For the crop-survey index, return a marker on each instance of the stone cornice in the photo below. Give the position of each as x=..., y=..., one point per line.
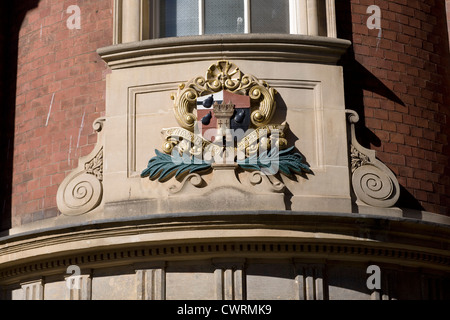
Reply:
x=337, y=236
x=262, y=47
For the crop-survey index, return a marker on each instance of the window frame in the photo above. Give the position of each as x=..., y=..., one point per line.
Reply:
x=303, y=16
x=155, y=15
x=299, y=22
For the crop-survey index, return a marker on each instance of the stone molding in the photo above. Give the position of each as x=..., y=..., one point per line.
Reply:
x=403, y=242
x=229, y=277
x=79, y=287
x=310, y=279
x=149, y=284
x=260, y=47
x=373, y=182
x=33, y=290
x=242, y=249
x=82, y=190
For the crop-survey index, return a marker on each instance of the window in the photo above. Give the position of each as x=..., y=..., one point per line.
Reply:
x=269, y=16
x=178, y=18
x=137, y=20
x=224, y=16
x=175, y=18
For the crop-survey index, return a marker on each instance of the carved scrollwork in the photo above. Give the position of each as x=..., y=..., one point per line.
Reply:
x=372, y=181
x=224, y=75
x=81, y=194
x=257, y=177
x=373, y=186
x=82, y=190
x=194, y=179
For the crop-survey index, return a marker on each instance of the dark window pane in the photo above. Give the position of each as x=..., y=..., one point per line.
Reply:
x=178, y=18
x=322, y=16
x=270, y=16
x=224, y=16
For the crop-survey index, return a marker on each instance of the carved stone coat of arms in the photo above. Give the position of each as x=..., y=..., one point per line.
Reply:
x=225, y=125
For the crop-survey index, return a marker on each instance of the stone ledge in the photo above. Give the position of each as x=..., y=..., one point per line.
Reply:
x=264, y=47
x=404, y=241
x=98, y=218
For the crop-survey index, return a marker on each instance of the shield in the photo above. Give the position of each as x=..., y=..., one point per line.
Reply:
x=222, y=113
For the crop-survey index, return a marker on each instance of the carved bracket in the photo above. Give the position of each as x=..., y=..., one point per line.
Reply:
x=373, y=182
x=82, y=190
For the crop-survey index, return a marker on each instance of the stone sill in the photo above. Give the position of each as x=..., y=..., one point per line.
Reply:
x=263, y=47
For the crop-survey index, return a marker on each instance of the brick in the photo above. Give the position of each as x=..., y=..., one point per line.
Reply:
x=361, y=29
x=416, y=132
x=405, y=150
x=391, y=55
x=411, y=141
x=397, y=138
x=408, y=119
x=382, y=135
x=381, y=114
x=427, y=186
x=403, y=129
x=390, y=147
x=398, y=159
x=388, y=126
x=413, y=183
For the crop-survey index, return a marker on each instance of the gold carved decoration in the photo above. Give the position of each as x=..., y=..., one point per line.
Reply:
x=264, y=138
x=224, y=75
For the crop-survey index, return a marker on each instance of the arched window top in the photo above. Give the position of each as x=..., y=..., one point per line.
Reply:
x=137, y=20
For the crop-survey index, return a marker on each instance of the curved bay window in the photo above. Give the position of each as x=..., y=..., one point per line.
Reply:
x=138, y=20
x=197, y=17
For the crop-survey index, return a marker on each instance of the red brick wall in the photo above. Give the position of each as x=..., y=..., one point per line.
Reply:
x=400, y=84
x=60, y=92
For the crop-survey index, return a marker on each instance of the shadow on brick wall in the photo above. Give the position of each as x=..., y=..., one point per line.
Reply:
x=358, y=79
x=12, y=14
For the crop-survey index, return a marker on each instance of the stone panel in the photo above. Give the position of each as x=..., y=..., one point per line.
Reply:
x=116, y=284
x=348, y=283
x=271, y=281
x=190, y=282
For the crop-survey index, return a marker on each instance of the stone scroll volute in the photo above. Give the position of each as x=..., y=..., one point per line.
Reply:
x=82, y=190
x=372, y=181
